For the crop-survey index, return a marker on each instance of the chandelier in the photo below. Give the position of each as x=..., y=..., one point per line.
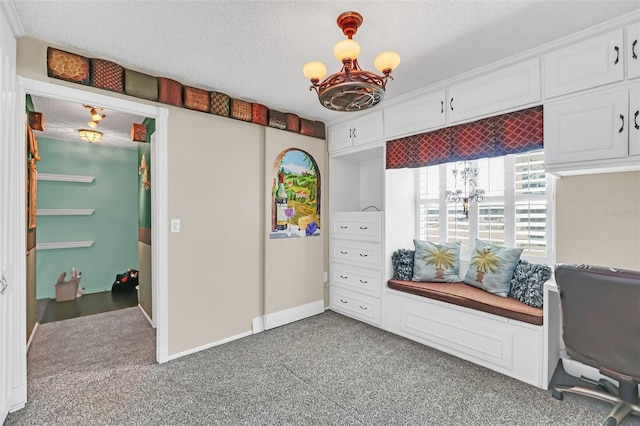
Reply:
x=95, y=115
x=468, y=178
x=351, y=89
x=90, y=136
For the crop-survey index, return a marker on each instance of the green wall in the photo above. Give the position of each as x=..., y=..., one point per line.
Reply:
x=113, y=226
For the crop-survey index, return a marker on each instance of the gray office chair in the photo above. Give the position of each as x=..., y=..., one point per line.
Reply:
x=601, y=328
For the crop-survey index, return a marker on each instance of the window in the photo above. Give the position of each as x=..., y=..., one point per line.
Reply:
x=513, y=211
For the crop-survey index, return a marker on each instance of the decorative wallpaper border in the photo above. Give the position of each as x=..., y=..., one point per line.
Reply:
x=107, y=75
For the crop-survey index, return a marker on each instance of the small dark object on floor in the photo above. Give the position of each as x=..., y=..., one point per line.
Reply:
x=126, y=282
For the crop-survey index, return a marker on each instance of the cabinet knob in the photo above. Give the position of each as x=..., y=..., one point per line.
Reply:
x=364, y=228
x=354, y=133
x=343, y=277
x=350, y=133
x=363, y=255
x=364, y=281
x=343, y=252
x=622, y=126
x=364, y=308
x=617, y=49
x=343, y=301
x=634, y=55
x=441, y=107
x=451, y=104
x=635, y=120
x=343, y=227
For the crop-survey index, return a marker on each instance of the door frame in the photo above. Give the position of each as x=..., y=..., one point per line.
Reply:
x=159, y=209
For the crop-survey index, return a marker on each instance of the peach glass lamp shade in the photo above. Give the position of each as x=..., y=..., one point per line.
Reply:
x=314, y=70
x=387, y=61
x=346, y=49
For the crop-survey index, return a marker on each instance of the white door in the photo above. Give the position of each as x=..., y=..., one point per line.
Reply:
x=340, y=136
x=633, y=51
x=501, y=90
x=10, y=147
x=634, y=120
x=417, y=115
x=583, y=65
x=592, y=127
x=367, y=129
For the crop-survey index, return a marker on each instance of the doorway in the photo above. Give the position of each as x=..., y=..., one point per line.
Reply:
x=159, y=214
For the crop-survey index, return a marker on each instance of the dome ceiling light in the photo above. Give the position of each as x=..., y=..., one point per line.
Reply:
x=351, y=89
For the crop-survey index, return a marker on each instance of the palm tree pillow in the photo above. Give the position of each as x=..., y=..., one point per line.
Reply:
x=436, y=262
x=491, y=267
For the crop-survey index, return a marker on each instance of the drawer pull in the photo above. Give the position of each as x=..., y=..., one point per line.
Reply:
x=441, y=107
x=343, y=277
x=451, y=104
x=343, y=301
x=635, y=120
x=617, y=49
x=364, y=282
x=634, y=55
x=343, y=252
x=363, y=255
x=364, y=227
x=622, y=126
x=343, y=227
x=364, y=308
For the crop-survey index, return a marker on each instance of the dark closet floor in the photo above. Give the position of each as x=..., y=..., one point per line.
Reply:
x=48, y=310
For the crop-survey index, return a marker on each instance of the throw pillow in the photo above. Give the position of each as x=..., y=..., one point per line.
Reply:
x=491, y=267
x=527, y=282
x=402, y=260
x=436, y=262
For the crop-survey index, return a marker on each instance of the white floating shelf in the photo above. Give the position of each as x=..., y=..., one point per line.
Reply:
x=65, y=212
x=65, y=178
x=64, y=245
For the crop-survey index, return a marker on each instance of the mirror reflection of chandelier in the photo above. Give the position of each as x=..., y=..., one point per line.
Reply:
x=467, y=177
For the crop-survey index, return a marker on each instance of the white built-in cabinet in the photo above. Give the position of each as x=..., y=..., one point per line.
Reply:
x=586, y=128
x=590, y=63
x=416, y=115
x=501, y=90
x=355, y=253
x=633, y=51
x=362, y=130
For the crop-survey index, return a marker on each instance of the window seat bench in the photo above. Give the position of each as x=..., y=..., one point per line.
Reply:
x=500, y=333
x=462, y=294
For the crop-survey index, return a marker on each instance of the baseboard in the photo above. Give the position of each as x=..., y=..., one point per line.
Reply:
x=33, y=333
x=257, y=324
x=209, y=345
x=147, y=316
x=297, y=313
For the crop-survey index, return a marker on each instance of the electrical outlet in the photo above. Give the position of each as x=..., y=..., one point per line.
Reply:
x=175, y=225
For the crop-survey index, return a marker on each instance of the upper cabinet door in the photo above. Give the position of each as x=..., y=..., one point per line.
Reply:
x=633, y=55
x=339, y=137
x=495, y=92
x=415, y=116
x=367, y=128
x=591, y=63
x=591, y=127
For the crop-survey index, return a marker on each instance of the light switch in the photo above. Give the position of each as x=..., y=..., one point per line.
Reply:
x=175, y=225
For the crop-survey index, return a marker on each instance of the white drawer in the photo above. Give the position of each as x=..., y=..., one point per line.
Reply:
x=355, y=305
x=365, y=226
x=356, y=253
x=356, y=278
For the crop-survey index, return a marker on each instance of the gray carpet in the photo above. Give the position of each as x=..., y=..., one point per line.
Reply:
x=325, y=370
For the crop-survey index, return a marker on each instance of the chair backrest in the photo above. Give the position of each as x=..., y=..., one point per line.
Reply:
x=601, y=318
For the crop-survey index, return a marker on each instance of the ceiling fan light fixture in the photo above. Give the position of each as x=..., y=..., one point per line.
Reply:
x=352, y=88
x=90, y=136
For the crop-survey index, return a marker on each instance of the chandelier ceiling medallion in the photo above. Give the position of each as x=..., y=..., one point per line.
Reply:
x=351, y=89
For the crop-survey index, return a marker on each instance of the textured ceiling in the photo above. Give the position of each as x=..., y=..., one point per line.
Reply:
x=255, y=50
x=63, y=119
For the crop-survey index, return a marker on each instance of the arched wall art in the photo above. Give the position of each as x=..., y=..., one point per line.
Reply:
x=295, y=195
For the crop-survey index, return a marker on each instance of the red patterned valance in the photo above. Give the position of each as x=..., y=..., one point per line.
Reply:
x=518, y=131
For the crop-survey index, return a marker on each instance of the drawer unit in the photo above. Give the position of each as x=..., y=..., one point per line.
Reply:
x=358, y=253
x=357, y=226
x=360, y=306
x=354, y=278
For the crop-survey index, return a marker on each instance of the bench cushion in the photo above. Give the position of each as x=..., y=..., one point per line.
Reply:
x=465, y=295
